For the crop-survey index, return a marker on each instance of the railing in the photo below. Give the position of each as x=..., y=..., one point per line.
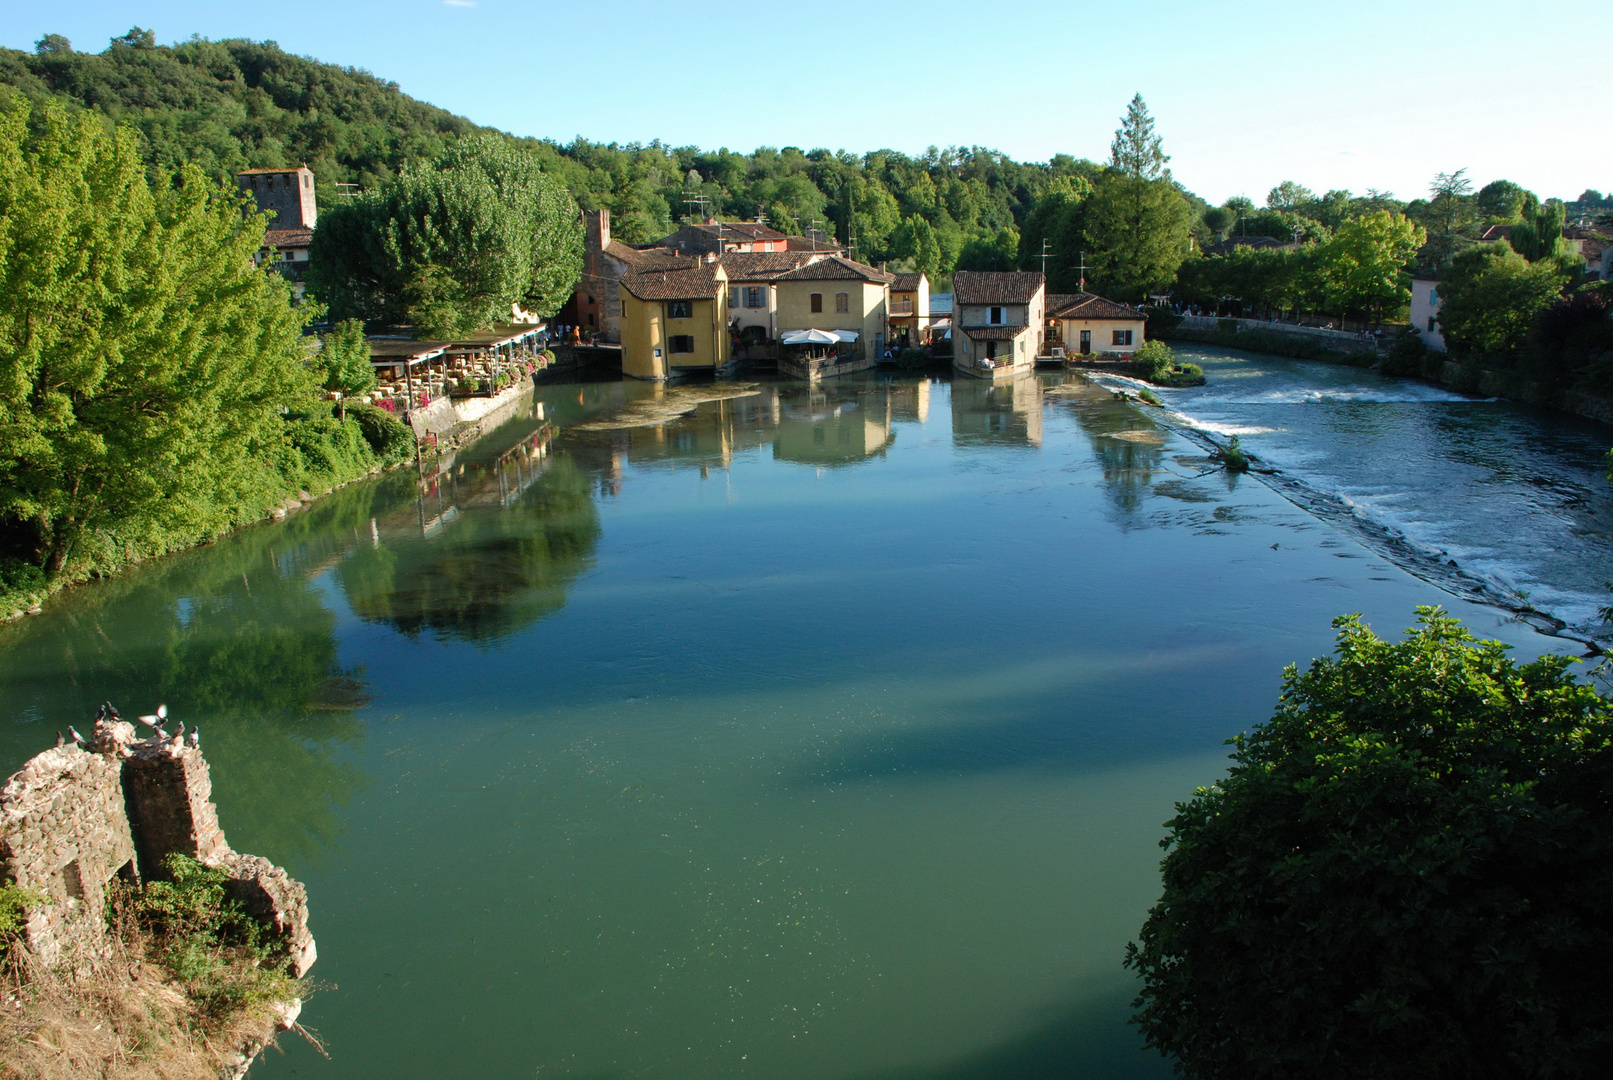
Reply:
x=902, y=307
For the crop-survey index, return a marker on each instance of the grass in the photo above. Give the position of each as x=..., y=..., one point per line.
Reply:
x=186, y=979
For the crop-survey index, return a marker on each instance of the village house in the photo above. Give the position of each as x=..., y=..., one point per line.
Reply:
x=675, y=320
x=1086, y=324
x=1425, y=312
x=752, y=296
x=999, y=319
x=831, y=316
x=287, y=195
x=721, y=237
x=910, y=310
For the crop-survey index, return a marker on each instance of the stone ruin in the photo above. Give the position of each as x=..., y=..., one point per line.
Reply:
x=74, y=818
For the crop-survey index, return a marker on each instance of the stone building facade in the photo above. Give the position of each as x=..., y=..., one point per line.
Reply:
x=75, y=818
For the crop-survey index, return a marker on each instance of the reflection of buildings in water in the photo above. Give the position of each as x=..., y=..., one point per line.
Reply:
x=834, y=427
x=709, y=437
x=910, y=401
x=997, y=413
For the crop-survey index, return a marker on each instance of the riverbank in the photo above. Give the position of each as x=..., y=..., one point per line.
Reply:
x=1436, y=368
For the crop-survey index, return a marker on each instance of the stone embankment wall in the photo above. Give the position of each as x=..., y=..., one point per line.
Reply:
x=1342, y=340
x=74, y=818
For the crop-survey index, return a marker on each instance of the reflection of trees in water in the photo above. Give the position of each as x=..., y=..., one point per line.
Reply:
x=235, y=638
x=1128, y=463
x=487, y=573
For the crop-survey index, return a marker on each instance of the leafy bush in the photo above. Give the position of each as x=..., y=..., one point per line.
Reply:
x=1406, y=873
x=208, y=941
x=390, y=439
x=1149, y=396
x=1407, y=354
x=911, y=359
x=321, y=449
x=1154, y=360
x=14, y=904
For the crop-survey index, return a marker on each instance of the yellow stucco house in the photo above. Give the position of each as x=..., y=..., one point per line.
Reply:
x=1084, y=324
x=675, y=321
x=845, y=298
x=910, y=310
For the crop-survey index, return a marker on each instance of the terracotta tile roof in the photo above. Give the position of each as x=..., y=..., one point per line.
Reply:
x=731, y=231
x=992, y=333
x=806, y=243
x=698, y=282
x=906, y=283
x=838, y=268
x=763, y=265
x=288, y=238
x=1496, y=232
x=654, y=258
x=992, y=287
x=1088, y=306
x=262, y=172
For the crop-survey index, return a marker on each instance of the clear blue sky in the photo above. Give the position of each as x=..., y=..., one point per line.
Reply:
x=1246, y=93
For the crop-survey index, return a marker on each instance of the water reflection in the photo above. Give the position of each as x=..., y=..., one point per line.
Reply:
x=1129, y=447
x=487, y=549
x=236, y=639
x=997, y=414
x=835, y=425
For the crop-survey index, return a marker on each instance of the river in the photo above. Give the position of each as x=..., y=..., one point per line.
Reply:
x=814, y=734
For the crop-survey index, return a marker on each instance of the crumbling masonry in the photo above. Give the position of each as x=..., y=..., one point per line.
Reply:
x=73, y=818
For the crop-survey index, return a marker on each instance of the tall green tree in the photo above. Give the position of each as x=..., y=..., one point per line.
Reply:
x=1137, y=234
x=1137, y=151
x=144, y=361
x=1363, y=264
x=449, y=247
x=1490, y=298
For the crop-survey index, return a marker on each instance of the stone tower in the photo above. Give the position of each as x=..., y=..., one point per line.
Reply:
x=289, y=193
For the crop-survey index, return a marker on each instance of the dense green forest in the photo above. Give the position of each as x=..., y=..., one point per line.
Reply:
x=228, y=105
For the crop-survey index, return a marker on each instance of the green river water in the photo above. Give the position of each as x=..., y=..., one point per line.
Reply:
x=815, y=734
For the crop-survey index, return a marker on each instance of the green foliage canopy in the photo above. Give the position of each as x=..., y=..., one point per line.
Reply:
x=448, y=247
x=144, y=361
x=1406, y=873
x=1491, y=297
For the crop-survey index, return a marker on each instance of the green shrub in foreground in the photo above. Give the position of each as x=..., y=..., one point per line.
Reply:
x=1154, y=360
x=1407, y=872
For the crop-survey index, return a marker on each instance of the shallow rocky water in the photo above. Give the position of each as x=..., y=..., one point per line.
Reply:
x=812, y=734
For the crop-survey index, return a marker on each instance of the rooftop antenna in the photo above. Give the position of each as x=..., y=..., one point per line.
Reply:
x=851, y=241
x=812, y=228
x=346, y=188
x=1046, y=251
x=1083, y=271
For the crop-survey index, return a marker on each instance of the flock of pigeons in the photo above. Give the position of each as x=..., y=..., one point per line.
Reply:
x=155, y=722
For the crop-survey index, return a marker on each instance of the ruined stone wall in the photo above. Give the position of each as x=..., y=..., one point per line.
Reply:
x=63, y=836
x=73, y=818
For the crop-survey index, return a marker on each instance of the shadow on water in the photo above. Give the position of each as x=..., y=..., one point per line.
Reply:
x=236, y=639
x=1093, y=1033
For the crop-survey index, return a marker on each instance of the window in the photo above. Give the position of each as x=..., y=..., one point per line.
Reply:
x=1122, y=337
x=680, y=343
x=680, y=309
x=817, y=302
x=996, y=316
x=842, y=302
x=733, y=296
x=755, y=297
x=1433, y=295
x=1430, y=324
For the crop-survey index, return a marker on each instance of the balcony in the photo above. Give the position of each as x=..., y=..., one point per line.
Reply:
x=902, y=309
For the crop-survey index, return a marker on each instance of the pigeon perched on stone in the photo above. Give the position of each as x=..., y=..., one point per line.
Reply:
x=111, y=710
x=195, y=736
x=162, y=712
x=73, y=731
x=59, y=740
